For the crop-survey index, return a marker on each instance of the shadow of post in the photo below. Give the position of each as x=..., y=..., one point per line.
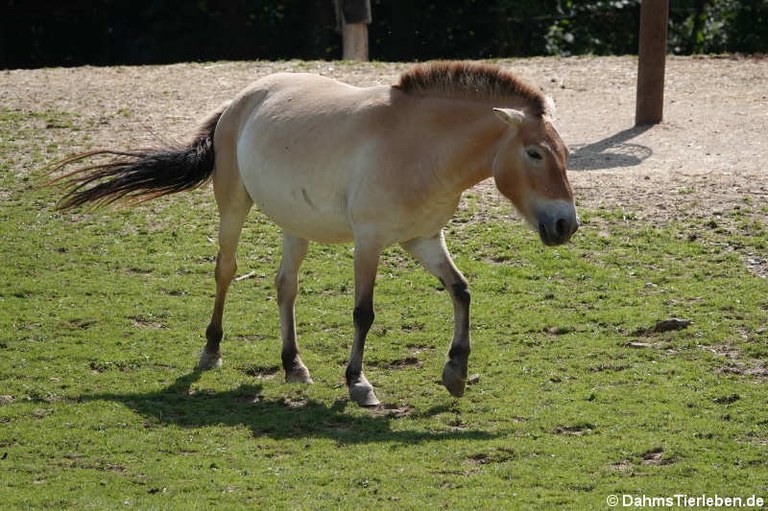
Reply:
x=180, y=405
x=610, y=153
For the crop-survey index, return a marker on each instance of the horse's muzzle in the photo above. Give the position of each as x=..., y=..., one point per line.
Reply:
x=556, y=229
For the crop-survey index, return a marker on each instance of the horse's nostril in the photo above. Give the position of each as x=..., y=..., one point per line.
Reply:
x=562, y=228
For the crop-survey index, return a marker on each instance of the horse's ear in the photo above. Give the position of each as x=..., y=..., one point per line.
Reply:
x=550, y=107
x=510, y=116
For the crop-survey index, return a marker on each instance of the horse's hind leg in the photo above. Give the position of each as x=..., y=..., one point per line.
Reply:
x=433, y=255
x=234, y=203
x=287, y=283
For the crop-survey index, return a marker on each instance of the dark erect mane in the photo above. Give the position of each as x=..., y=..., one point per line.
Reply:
x=469, y=80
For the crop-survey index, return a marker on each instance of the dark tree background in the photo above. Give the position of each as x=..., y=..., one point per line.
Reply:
x=35, y=33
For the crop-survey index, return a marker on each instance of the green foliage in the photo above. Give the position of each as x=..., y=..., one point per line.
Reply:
x=599, y=27
x=101, y=320
x=718, y=26
x=48, y=32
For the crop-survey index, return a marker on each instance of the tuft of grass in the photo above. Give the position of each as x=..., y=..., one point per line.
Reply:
x=574, y=397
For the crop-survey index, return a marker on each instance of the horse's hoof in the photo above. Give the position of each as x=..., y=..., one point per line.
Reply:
x=299, y=374
x=209, y=361
x=361, y=392
x=454, y=379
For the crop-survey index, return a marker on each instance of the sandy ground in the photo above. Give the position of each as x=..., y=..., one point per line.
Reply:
x=706, y=159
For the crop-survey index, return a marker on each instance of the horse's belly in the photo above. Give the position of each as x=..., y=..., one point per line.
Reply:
x=302, y=210
x=308, y=223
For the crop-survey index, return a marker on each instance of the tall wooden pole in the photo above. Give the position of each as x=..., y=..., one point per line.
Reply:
x=649, y=108
x=355, y=41
x=355, y=17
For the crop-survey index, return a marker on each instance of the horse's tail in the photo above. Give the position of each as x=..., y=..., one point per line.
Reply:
x=140, y=175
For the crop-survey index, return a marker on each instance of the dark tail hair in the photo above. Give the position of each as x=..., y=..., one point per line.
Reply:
x=140, y=175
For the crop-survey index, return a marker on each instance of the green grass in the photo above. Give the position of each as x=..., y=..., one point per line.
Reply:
x=101, y=321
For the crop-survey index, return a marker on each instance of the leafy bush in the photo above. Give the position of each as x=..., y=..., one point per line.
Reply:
x=50, y=32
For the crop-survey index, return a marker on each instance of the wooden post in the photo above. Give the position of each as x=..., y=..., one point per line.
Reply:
x=649, y=108
x=355, y=36
x=355, y=17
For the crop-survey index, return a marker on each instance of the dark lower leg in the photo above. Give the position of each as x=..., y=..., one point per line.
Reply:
x=286, y=282
x=211, y=356
x=366, y=263
x=360, y=389
x=455, y=370
x=363, y=317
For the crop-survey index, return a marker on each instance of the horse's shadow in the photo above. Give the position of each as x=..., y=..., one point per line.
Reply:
x=611, y=152
x=179, y=405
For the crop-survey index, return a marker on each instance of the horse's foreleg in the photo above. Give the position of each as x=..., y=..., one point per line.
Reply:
x=232, y=216
x=287, y=282
x=366, y=264
x=433, y=255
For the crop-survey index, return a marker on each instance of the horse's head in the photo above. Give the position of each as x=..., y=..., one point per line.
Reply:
x=530, y=170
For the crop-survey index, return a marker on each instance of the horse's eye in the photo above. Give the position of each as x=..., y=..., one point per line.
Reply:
x=533, y=154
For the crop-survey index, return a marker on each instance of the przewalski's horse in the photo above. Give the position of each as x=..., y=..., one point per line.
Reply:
x=333, y=163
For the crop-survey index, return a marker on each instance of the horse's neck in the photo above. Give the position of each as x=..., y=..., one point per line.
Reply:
x=467, y=138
